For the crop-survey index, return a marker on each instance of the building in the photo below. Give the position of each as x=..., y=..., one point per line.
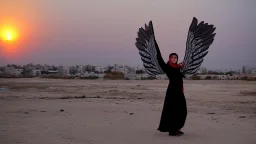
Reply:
x=216, y=77
x=202, y=70
x=49, y=72
x=236, y=77
x=100, y=69
x=36, y=73
x=101, y=75
x=162, y=77
x=130, y=76
x=80, y=69
x=64, y=71
x=17, y=72
x=253, y=71
x=88, y=68
x=247, y=70
x=89, y=74
x=123, y=69
x=13, y=71
x=141, y=76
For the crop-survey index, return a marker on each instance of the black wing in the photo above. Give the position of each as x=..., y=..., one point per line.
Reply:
x=200, y=37
x=149, y=50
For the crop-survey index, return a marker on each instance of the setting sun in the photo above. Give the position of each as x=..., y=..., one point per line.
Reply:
x=8, y=34
x=12, y=36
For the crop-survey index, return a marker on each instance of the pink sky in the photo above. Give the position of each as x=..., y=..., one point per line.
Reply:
x=103, y=32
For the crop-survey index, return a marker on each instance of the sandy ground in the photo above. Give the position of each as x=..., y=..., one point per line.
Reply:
x=48, y=111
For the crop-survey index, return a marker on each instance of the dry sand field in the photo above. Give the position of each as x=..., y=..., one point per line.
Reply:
x=50, y=111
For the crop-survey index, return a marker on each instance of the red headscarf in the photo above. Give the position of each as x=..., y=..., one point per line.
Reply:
x=174, y=65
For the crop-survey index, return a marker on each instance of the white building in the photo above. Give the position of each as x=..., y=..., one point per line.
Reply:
x=52, y=71
x=141, y=76
x=116, y=67
x=124, y=70
x=36, y=73
x=93, y=74
x=139, y=67
x=217, y=77
x=9, y=70
x=64, y=70
x=88, y=74
x=161, y=77
x=202, y=70
x=101, y=75
x=17, y=72
x=254, y=71
x=235, y=77
x=80, y=68
x=100, y=69
x=13, y=71
x=130, y=76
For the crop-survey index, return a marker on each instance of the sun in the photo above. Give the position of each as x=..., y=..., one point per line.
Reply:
x=8, y=34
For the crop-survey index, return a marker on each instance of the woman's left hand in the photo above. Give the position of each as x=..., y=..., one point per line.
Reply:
x=181, y=64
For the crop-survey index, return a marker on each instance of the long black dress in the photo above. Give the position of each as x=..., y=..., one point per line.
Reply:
x=175, y=108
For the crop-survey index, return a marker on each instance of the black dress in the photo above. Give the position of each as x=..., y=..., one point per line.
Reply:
x=175, y=108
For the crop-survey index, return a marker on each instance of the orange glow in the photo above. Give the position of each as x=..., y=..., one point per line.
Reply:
x=9, y=33
x=10, y=38
x=21, y=27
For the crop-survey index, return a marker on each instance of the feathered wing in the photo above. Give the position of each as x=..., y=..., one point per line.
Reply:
x=200, y=37
x=149, y=50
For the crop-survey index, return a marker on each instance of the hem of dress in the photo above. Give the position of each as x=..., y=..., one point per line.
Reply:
x=162, y=130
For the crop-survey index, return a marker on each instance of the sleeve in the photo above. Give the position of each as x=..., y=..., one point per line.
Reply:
x=160, y=59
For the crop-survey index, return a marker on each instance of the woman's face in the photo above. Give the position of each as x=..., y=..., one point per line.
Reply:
x=173, y=59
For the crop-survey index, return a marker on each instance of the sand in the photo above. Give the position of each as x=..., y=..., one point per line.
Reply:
x=49, y=111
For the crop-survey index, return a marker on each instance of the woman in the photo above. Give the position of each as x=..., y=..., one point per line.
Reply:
x=200, y=37
x=175, y=108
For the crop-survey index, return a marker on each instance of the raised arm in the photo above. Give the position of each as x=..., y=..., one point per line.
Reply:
x=160, y=58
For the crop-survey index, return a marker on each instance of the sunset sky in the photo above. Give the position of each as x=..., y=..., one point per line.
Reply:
x=103, y=32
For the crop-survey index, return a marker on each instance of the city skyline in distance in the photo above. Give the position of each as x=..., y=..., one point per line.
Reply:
x=136, y=66
x=67, y=33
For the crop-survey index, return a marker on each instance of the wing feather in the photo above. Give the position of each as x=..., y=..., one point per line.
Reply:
x=147, y=47
x=199, y=39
